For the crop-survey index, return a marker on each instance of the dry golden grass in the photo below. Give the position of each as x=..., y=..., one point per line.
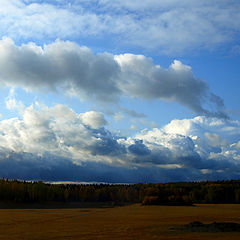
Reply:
x=129, y=222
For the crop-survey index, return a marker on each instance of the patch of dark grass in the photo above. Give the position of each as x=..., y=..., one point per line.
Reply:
x=198, y=226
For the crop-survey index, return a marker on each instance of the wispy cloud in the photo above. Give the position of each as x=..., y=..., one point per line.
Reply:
x=166, y=26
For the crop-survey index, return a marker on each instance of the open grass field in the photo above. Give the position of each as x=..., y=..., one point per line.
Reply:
x=128, y=222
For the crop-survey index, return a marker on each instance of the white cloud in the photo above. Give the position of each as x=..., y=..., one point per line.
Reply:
x=57, y=137
x=198, y=126
x=167, y=26
x=215, y=139
x=62, y=65
x=11, y=102
x=134, y=127
x=118, y=116
x=185, y=143
x=58, y=131
x=93, y=119
x=65, y=66
x=141, y=78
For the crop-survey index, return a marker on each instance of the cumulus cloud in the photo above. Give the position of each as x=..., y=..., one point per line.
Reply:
x=93, y=119
x=65, y=66
x=215, y=139
x=197, y=127
x=139, y=149
x=59, y=65
x=142, y=79
x=77, y=146
x=187, y=144
x=167, y=26
x=59, y=131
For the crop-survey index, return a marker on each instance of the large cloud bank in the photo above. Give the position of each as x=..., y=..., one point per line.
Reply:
x=168, y=26
x=65, y=66
x=59, y=144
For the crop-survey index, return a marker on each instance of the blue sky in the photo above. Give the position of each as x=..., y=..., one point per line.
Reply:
x=119, y=91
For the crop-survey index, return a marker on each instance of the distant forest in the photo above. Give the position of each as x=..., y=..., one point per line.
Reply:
x=180, y=193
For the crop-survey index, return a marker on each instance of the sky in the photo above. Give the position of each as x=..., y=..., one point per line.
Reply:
x=120, y=91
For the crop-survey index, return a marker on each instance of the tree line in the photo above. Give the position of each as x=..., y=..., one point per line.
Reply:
x=179, y=193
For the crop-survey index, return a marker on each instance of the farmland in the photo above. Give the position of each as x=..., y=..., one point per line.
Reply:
x=127, y=222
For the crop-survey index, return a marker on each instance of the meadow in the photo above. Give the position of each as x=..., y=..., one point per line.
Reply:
x=127, y=222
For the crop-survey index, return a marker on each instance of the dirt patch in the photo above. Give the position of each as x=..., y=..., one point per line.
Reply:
x=198, y=226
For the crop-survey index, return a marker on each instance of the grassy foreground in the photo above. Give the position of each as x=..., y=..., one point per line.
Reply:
x=128, y=222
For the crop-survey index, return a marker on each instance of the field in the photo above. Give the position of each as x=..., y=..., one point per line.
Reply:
x=128, y=222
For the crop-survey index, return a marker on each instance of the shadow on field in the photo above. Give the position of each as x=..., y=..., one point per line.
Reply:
x=212, y=227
